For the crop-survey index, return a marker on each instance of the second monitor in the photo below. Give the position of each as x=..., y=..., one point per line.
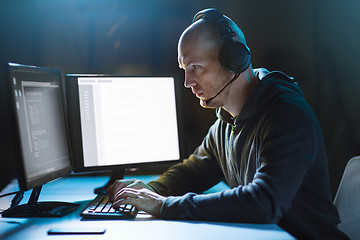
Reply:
x=118, y=122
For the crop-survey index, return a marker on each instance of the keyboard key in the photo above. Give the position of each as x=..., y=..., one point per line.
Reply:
x=101, y=208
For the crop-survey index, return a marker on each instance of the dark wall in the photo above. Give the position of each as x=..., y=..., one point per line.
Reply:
x=317, y=42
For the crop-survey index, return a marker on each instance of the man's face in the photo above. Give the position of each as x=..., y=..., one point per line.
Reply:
x=203, y=72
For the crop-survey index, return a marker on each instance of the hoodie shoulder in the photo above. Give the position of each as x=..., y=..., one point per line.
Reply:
x=263, y=73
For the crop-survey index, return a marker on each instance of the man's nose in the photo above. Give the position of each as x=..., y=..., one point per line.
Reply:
x=189, y=80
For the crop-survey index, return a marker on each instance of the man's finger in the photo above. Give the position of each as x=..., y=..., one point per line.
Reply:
x=125, y=196
x=117, y=186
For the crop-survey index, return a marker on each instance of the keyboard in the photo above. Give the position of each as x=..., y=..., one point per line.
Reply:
x=101, y=208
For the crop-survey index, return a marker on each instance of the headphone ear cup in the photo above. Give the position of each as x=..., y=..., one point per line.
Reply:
x=235, y=57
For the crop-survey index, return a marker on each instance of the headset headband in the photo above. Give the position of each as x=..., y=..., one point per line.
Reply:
x=234, y=56
x=216, y=17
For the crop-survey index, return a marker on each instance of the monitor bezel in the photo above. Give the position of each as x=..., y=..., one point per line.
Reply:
x=17, y=149
x=74, y=124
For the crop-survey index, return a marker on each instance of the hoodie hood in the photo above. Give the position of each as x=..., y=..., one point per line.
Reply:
x=272, y=85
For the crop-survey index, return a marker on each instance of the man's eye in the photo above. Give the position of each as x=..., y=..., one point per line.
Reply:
x=195, y=67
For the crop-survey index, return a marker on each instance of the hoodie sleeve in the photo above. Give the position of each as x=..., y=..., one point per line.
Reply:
x=199, y=172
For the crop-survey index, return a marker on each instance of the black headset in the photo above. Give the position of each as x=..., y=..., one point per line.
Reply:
x=234, y=55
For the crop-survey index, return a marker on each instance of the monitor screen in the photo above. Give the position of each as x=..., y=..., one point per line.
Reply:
x=122, y=121
x=40, y=142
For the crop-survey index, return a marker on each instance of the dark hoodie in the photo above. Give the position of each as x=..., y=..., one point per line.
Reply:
x=273, y=158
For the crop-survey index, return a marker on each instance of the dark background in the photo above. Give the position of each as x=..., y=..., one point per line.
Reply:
x=317, y=42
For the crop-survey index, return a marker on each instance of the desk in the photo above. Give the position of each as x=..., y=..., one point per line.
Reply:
x=79, y=189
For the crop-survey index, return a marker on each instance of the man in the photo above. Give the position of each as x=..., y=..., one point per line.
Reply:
x=266, y=144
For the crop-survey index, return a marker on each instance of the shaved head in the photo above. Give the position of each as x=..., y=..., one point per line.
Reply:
x=203, y=54
x=202, y=34
x=207, y=34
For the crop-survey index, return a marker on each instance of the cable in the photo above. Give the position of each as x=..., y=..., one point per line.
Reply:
x=15, y=201
x=8, y=194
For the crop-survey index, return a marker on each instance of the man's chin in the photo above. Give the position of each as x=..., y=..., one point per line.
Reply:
x=204, y=104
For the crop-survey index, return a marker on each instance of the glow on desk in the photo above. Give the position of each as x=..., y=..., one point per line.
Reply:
x=80, y=190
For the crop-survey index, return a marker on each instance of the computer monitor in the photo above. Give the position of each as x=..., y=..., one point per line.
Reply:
x=122, y=122
x=39, y=136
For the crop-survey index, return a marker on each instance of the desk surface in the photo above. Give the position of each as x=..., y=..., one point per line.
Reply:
x=80, y=190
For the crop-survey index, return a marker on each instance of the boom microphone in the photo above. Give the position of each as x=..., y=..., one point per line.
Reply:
x=233, y=79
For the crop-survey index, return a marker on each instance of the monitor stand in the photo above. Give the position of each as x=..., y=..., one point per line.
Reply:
x=39, y=209
x=116, y=174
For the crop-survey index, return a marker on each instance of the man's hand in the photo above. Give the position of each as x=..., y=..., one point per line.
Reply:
x=137, y=193
x=143, y=199
x=129, y=183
